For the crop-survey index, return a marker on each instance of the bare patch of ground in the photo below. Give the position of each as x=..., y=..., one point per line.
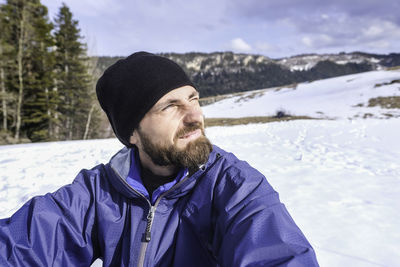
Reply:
x=247, y=120
x=388, y=83
x=389, y=102
x=290, y=86
x=394, y=68
x=247, y=97
x=212, y=99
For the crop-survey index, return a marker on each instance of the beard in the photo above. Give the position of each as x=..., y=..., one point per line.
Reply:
x=194, y=154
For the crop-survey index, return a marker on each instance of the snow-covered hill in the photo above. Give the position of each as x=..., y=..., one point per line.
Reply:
x=306, y=62
x=340, y=97
x=228, y=61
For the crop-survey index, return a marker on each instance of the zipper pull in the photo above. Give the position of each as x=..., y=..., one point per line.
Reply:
x=150, y=216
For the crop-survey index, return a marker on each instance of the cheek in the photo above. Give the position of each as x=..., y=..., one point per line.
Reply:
x=162, y=129
x=166, y=132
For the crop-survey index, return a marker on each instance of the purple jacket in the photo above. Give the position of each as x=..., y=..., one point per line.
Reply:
x=225, y=214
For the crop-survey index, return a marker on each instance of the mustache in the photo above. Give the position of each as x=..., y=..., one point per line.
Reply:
x=189, y=128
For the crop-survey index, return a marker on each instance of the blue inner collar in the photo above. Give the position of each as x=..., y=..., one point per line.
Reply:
x=134, y=178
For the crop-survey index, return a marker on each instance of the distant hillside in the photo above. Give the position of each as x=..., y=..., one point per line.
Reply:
x=373, y=94
x=226, y=72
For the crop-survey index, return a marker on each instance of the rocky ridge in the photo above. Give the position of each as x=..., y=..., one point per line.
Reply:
x=226, y=72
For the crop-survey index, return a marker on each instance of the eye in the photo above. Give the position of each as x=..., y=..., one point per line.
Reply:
x=168, y=107
x=195, y=98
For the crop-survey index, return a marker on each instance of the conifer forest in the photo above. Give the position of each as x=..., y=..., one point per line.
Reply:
x=47, y=81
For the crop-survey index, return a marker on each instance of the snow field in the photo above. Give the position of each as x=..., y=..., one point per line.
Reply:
x=340, y=180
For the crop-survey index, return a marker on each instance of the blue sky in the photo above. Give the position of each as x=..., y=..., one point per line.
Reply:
x=274, y=28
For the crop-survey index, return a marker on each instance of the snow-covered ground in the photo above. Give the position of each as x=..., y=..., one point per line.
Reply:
x=330, y=98
x=340, y=179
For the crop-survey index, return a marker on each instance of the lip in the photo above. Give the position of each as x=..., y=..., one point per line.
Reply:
x=191, y=135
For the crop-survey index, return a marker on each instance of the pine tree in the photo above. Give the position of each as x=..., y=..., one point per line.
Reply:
x=29, y=32
x=40, y=100
x=4, y=48
x=73, y=80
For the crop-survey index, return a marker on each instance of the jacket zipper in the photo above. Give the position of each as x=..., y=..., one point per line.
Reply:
x=150, y=215
x=152, y=209
x=150, y=219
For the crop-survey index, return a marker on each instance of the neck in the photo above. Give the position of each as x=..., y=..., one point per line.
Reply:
x=148, y=163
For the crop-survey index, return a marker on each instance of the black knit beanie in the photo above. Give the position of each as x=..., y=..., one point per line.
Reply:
x=129, y=88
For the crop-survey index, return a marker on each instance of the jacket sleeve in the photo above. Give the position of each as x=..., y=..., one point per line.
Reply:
x=52, y=230
x=253, y=226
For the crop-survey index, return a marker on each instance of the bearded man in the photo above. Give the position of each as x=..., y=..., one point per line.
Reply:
x=168, y=198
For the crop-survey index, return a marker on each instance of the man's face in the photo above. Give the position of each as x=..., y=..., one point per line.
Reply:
x=172, y=132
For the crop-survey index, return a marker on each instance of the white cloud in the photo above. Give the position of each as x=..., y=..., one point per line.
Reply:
x=380, y=44
x=373, y=31
x=238, y=44
x=307, y=41
x=326, y=39
x=264, y=46
x=325, y=16
x=380, y=29
x=317, y=41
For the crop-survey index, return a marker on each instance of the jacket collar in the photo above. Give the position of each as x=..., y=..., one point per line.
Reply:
x=120, y=165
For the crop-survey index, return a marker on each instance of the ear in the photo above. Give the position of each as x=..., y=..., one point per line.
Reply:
x=134, y=139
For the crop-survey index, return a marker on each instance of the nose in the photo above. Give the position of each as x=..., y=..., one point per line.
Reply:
x=193, y=114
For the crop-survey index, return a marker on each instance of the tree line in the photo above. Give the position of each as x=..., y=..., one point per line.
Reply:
x=46, y=78
x=220, y=73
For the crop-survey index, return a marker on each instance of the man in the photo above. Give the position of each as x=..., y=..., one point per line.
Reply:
x=169, y=198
